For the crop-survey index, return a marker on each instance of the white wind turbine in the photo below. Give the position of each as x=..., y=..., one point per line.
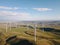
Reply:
x=6, y=27
x=35, y=25
x=10, y=26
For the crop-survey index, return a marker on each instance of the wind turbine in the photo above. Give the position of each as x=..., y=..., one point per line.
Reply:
x=35, y=25
x=6, y=27
x=10, y=26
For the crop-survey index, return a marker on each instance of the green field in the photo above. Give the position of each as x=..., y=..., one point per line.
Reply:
x=42, y=37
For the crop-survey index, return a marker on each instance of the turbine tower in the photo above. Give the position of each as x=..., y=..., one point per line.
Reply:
x=35, y=25
x=6, y=27
x=10, y=26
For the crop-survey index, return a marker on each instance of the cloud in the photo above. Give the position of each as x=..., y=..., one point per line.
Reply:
x=42, y=9
x=9, y=8
x=7, y=13
x=12, y=15
x=15, y=15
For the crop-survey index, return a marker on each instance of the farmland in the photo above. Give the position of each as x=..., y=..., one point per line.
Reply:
x=48, y=34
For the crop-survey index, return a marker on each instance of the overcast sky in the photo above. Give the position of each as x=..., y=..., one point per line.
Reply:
x=29, y=10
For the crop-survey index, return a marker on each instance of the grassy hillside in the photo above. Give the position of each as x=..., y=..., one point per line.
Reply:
x=22, y=33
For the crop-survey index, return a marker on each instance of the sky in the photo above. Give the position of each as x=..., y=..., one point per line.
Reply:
x=29, y=10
